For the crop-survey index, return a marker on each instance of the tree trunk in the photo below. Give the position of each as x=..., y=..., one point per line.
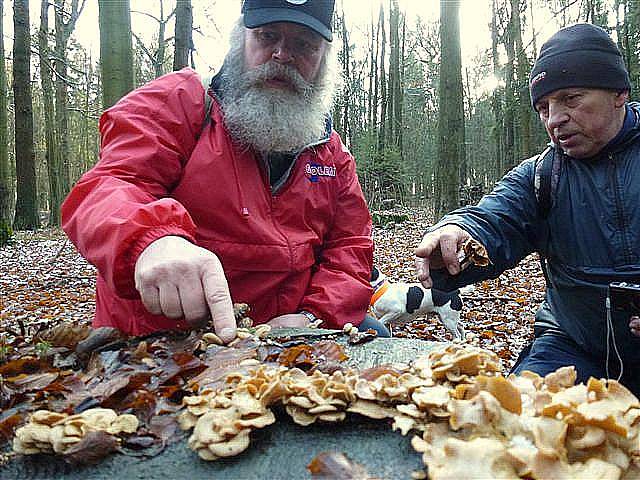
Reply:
x=65, y=20
x=511, y=103
x=496, y=98
x=395, y=100
x=522, y=84
x=116, y=54
x=26, y=217
x=382, y=131
x=376, y=79
x=372, y=69
x=451, y=117
x=183, y=37
x=5, y=190
x=50, y=137
x=159, y=57
x=347, y=94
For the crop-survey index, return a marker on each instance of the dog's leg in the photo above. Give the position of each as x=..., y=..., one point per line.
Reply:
x=450, y=318
x=389, y=317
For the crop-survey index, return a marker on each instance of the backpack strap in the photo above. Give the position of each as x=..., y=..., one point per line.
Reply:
x=546, y=179
x=208, y=103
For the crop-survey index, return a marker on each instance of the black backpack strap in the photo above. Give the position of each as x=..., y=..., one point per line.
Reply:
x=543, y=181
x=546, y=179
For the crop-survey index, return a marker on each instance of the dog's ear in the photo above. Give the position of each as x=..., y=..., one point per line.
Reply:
x=374, y=274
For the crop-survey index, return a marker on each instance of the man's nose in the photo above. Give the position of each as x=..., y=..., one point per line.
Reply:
x=282, y=53
x=557, y=115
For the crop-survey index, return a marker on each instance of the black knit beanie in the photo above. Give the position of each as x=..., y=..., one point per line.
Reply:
x=581, y=55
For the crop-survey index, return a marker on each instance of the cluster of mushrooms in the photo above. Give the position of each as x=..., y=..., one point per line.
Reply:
x=51, y=432
x=467, y=417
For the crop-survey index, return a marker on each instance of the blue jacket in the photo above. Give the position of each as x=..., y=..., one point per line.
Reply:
x=590, y=237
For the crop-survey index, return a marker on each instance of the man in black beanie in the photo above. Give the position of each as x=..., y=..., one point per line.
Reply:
x=237, y=190
x=577, y=204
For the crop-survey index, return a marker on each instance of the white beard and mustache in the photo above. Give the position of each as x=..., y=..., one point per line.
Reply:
x=268, y=119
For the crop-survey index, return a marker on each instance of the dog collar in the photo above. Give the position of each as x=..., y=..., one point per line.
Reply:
x=379, y=292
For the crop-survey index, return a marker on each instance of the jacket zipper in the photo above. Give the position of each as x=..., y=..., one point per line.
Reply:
x=620, y=214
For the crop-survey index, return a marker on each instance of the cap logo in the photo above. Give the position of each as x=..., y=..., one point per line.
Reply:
x=297, y=2
x=538, y=78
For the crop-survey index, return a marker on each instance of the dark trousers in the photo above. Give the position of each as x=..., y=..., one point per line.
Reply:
x=552, y=350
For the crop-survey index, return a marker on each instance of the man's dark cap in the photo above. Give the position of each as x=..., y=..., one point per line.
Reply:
x=315, y=14
x=582, y=55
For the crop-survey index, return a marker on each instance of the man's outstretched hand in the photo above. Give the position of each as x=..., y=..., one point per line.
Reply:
x=178, y=279
x=439, y=249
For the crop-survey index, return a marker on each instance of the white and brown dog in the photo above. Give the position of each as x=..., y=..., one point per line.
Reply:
x=400, y=302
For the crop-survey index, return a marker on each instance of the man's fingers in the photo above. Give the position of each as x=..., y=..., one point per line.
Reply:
x=427, y=246
x=449, y=251
x=218, y=299
x=170, y=301
x=424, y=275
x=150, y=297
x=192, y=297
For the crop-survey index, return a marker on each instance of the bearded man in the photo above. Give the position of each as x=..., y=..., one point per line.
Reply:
x=250, y=197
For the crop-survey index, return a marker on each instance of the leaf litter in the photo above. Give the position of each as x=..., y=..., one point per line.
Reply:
x=47, y=304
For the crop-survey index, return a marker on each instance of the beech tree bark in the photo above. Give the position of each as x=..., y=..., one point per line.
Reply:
x=26, y=217
x=183, y=37
x=451, y=151
x=116, y=53
x=5, y=190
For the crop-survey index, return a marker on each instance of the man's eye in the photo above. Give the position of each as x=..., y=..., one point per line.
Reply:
x=572, y=99
x=267, y=37
x=302, y=45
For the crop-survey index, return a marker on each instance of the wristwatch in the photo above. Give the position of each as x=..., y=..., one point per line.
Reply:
x=312, y=318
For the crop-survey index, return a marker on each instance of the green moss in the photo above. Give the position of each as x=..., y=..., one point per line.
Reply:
x=5, y=233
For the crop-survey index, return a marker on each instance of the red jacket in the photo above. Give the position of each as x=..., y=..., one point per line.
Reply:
x=308, y=247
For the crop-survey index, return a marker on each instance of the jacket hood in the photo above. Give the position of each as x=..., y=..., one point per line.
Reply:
x=630, y=129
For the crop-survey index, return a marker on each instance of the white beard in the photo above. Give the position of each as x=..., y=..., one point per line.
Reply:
x=269, y=119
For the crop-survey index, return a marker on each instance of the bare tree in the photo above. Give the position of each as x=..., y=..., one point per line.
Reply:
x=26, y=217
x=183, y=37
x=157, y=56
x=116, y=53
x=5, y=190
x=66, y=16
x=451, y=151
x=52, y=151
x=382, y=80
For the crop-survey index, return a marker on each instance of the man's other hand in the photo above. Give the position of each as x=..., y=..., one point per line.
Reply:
x=290, y=320
x=178, y=279
x=439, y=249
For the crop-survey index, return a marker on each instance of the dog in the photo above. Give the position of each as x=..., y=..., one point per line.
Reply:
x=401, y=302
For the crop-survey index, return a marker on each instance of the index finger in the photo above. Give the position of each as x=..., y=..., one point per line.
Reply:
x=449, y=252
x=422, y=269
x=425, y=250
x=216, y=292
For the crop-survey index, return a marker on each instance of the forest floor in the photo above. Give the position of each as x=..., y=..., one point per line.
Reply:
x=44, y=281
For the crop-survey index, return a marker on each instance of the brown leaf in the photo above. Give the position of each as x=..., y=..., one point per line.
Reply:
x=337, y=466
x=24, y=364
x=64, y=335
x=91, y=449
x=8, y=426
